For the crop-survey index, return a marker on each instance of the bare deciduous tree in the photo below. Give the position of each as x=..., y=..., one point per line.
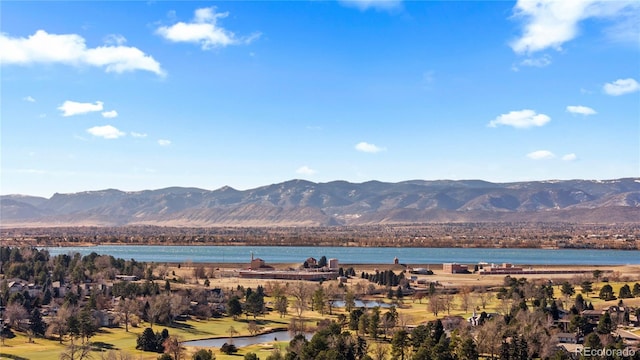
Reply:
x=435, y=304
x=380, y=352
x=127, y=308
x=253, y=328
x=58, y=323
x=14, y=314
x=484, y=297
x=466, y=300
x=76, y=352
x=173, y=346
x=489, y=337
x=447, y=302
x=301, y=292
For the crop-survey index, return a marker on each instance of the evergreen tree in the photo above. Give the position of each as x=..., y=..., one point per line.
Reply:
x=36, y=324
x=606, y=293
x=466, y=349
x=150, y=341
x=399, y=344
x=318, y=300
x=592, y=341
x=605, y=325
x=567, y=289
x=322, y=262
x=88, y=326
x=234, y=308
x=46, y=297
x=374, y=322
x=625, y=292
x=399, y=293
x=73, y=325
x=255, y=304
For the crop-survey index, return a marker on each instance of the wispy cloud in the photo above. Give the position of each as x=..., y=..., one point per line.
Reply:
x=551, y=23
x=621, y=87
x=541, y=155
x=582, y=110
x=305, y=170
x=369, y=148
x=29, y=99
x=106, y=132
x=138, y=135
x=30, y=171
x=520, y=119
x=110, y=114
x=115, y=39
x=71, y=108
x=569, y=157
x=164, y=142
x=372, y=4
x=204, y=30
x=71, y=49
x=539, y=62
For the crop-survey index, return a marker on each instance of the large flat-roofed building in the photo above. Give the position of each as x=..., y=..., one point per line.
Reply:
x=289, y=275
x=505, y=268
x=455, y=268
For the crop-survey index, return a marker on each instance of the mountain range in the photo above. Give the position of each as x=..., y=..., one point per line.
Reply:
x=304, y=203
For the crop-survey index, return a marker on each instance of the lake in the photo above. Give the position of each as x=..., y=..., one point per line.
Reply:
x=358, y=255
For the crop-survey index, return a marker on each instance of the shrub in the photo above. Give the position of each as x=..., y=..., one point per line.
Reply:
x=229, y=349
x=203, y=354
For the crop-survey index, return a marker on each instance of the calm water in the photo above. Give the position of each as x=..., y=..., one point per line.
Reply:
x=243, y=341
x=357, y=255
x=364, y=304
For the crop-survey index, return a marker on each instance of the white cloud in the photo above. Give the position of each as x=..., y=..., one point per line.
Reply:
x=29, y=99
x=541, y=155
x=138, y=135
x=204, y=30
x=70, y=108
x=372, y=4
x=368, y=148
x=110, y=114
x=305, y=170
x=621, y=87
x=582, y=110
x=107, y=132
x=569, y=157
x=537, y=62
x=520, y=119
x=71, y=49
x=551, y=23
x=164, y=142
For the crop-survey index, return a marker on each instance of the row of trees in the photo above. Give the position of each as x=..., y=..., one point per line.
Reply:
x=432, y=235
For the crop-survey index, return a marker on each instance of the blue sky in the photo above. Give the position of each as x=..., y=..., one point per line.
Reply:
x=144, y=95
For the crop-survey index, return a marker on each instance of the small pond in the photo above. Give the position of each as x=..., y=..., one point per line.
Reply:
x=242, y=341
x=364, y=304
